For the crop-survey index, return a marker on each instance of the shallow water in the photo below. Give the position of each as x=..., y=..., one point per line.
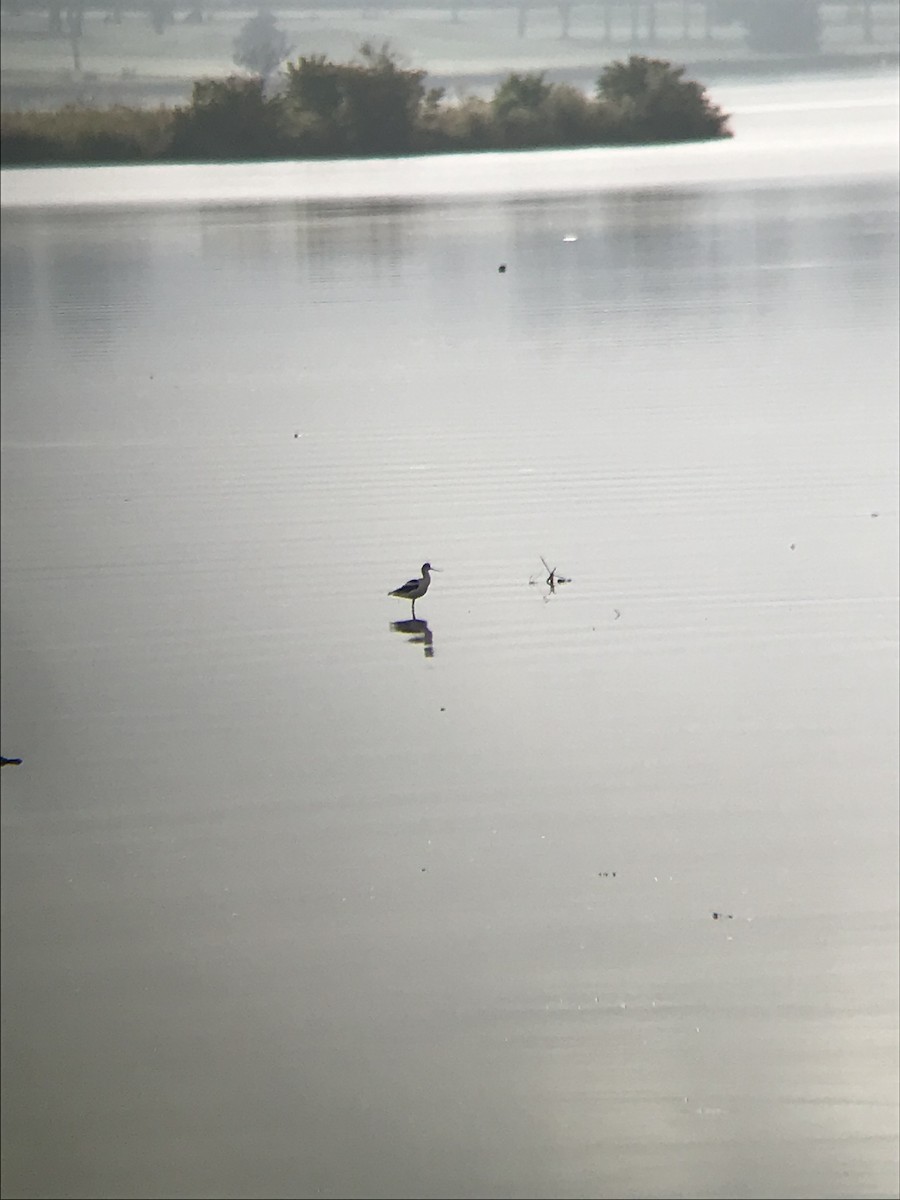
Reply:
x=302, y=901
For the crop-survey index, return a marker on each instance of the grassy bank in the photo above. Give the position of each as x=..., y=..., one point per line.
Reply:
x=75, y=134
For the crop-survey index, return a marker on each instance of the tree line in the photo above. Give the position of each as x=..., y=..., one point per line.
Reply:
x=776, y=26
x=370, y=107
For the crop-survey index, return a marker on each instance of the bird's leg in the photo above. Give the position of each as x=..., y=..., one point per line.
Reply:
x=414, y=609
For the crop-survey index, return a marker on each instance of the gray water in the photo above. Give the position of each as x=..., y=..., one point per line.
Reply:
x=300, y=900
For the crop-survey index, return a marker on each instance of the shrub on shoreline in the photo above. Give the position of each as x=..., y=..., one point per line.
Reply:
x=370, y=107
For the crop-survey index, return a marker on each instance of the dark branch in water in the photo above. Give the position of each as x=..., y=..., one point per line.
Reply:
x=552, y=577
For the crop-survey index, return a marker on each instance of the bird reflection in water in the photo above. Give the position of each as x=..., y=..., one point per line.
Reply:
x=417, y=631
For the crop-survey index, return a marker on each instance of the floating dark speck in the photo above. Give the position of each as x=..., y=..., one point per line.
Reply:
x=502, y=268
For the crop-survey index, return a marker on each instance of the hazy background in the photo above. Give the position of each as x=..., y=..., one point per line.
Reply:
x=300, y=900
x=151, y=53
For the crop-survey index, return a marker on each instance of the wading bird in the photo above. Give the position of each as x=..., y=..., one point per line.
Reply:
x=414, y=588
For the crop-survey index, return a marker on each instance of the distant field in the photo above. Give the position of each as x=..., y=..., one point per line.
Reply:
x=131, y=63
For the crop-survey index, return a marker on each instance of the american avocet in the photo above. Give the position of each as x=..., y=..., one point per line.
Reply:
x=414, y=588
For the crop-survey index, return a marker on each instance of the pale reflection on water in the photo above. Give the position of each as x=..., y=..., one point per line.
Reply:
x=305, y=897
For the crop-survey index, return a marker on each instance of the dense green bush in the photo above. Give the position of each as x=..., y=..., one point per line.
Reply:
x=526, y=93
x=520, y=112
x=227, y=119
x=650, y=99
x=469, y=124
x=372, y=106
x=575, y=119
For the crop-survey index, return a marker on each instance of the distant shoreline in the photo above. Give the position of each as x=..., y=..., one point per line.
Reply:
x=371, y=107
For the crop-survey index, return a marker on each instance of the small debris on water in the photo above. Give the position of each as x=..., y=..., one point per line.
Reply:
x=618, y=614
x=719, y=916
x=443, y=709
x=874, y=514
x=10, y=762
x=570, y=237
x=793, y=545
x=606, y=874
x=502, y=268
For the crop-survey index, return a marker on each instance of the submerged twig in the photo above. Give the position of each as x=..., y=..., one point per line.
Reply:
x=552, y=577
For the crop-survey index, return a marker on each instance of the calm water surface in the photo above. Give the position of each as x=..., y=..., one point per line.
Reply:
x=301, y=900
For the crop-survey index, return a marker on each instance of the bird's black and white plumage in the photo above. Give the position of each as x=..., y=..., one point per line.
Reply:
x=414, y=588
